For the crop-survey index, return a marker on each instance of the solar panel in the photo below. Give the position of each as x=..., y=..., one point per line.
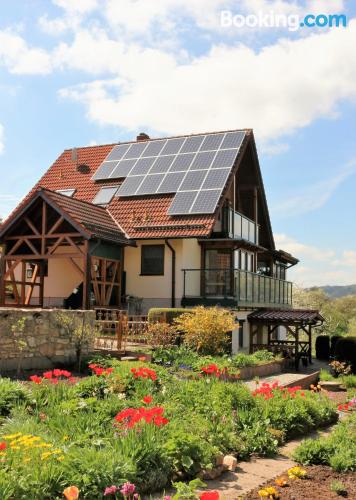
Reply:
x=192, y=144
x=182, y=162
x=104, y=170
x=193, y=180
x=216, y=178
x=122, y=169
x=195, y=168
x=202, y=160
x=233, y=140
x=150, y=184
x=206, y=202
x=142, y=166
x=182, y=202
x=172, y=146
x=171, y=182
x=104, y=196
x=212, y=142
x=130, y=185
x=162, y=164
x=225, y=159
x=136, y=149
x=154, y=148
x=118, y=152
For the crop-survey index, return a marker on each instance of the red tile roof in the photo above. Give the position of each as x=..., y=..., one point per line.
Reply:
x=139, y=217
x=91, y=220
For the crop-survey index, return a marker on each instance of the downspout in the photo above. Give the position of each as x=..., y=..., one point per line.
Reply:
x=173, y=292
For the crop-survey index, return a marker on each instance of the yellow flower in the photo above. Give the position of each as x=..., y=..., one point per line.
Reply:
x=65, y=438
x=14, y=447
x=12, y=436
x=296, y=473
x=60, y=458
x=27, y=459
x=269, y=492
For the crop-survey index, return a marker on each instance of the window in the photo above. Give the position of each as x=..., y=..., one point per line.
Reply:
x=241, y=332
x=66, y=192
x=152, y=260
x=105, y=195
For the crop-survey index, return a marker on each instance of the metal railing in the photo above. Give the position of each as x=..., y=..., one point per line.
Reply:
x=245, y=287
x=236, y=225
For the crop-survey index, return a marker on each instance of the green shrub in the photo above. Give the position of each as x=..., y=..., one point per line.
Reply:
x=337, y=450
x=349, y=381
x=11, y=394
x=168, y=314
x=161, y=334
x=322, y=347
x=345, y=350
x=325, y=376
x=92, y=387
x=205, y=329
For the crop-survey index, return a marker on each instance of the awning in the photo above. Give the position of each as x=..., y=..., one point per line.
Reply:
x=287, y=316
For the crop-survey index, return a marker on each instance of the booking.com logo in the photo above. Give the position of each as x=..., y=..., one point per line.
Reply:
x=292, y=22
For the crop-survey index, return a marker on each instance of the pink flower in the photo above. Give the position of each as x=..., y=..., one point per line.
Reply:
x=127, y=489
x=110, y=490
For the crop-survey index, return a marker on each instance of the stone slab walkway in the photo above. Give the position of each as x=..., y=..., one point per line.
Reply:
x=253, y=473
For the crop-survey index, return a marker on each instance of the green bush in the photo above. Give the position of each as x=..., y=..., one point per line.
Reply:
x=167, y=314
x=11, y=394
x=349, y=381
x=333, y=342
x=337, y=450
x=345, y=350
x=322, y=347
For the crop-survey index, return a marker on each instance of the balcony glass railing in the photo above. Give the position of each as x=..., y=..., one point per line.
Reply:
x=237, y=225
x=244, y=287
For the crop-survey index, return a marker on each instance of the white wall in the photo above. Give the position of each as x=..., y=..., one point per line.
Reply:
x=157, y=290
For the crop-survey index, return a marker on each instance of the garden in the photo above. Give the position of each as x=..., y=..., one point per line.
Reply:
x=123, y=429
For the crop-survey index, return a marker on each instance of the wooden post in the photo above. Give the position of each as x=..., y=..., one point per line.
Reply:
x=44, y=227
x=296, y=359
x=86, y=276
x=310, y=344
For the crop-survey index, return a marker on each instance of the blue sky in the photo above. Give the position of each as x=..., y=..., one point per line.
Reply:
x=74, y=73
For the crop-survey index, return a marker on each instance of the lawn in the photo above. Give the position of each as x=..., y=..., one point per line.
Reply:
x=140, y=423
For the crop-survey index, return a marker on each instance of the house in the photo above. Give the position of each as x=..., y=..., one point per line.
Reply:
x=166, y=222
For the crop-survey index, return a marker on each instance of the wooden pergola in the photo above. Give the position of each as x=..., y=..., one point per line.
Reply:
x=50, y=226
x=297, y=322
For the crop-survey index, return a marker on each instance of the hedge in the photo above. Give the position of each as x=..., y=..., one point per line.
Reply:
x=345, y=350
x=333, y=342
x=322, y=347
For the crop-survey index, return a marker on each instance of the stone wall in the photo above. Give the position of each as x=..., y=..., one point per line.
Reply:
x=37, y=338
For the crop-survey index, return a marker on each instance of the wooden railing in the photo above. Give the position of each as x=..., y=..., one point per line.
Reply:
x=118, y=329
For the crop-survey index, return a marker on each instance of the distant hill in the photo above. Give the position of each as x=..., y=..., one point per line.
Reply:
x=338, y=291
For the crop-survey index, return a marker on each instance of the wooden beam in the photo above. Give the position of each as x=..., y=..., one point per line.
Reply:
x=76, y=267
x=11, y=266
x=86, y=276
x=44, y=227
x=35, y=237
x=44, y=256
x=32, y=226
x=2, y=281
x=31, y=246
x=111, y=285
x=56, y=225
x=33, y=281
x=23, y=279
x=73, y=245
x=56, y=245
x=18, y=243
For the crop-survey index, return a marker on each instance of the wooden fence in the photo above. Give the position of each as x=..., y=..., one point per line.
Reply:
x=118, y=330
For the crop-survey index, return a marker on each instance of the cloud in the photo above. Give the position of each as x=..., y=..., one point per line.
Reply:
x=314, y=197
x=19, y=58
x=318, y=266
x=220, y=89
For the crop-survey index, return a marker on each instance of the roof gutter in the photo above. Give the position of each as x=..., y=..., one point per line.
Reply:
x=173, y=292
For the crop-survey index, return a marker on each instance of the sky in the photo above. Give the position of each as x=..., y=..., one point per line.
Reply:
x=83, y=72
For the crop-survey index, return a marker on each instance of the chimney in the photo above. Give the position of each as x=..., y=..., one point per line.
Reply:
x=142, y=137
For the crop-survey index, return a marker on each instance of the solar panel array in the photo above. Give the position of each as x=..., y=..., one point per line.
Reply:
x=195, y=168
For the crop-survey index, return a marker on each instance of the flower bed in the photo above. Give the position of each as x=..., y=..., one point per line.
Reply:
x=138, y=423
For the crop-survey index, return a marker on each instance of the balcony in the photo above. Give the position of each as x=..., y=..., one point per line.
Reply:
x=234, y=288
x=238, y=226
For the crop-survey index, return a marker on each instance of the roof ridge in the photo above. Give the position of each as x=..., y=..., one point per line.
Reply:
x=247, y=130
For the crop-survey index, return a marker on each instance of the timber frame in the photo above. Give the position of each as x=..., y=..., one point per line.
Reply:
x=41, y=233
x=296, y=322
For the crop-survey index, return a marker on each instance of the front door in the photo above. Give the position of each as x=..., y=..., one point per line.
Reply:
x=217, y=276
